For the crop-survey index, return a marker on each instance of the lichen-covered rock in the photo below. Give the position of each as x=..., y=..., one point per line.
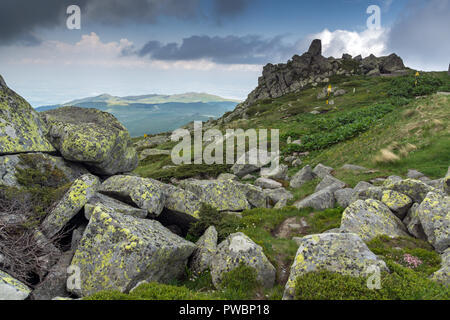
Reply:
x=255, y=195
x=276, y=195
x=227, y=176
x=301, y=177
x=370, y=193
x=239, y=249
x=113, y=204
x=398, y=203
x=12, y=289
x=21, y=128
x=371, y=218
x=328, y=181
x=343, y=197
x=72, y=202
x=180, y=200
x=446, y=183
x=222, y=195
x=324, y=199
x=413, y=224
x=119, y=251
x=205, y=249
x=443, y=274
x=415, y=189
x=93, y=137
x=321, y=171
x=142, y=192
x=434, y=215
x=343, y=253
x=267, y=183
x=392, y=179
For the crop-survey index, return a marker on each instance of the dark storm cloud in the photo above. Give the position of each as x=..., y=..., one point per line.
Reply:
x=21, y=19
x=422, y=34
x=225, y=50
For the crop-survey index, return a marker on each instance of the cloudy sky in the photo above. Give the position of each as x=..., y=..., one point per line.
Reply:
x=217, y=46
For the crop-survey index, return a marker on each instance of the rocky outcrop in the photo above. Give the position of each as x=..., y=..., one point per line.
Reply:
x=21, y=128
x=118, y=251
x=239, y=249
x=92, y=137
x=343, y=253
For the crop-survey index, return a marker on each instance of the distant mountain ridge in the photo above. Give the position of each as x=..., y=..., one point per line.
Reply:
x=155, y=113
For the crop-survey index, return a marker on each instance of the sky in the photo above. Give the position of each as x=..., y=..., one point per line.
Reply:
x=139, y=47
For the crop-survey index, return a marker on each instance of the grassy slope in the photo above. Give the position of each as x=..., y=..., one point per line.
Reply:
x=418, y=133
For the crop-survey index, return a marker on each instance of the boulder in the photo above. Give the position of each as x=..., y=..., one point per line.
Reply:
x=113, y=204
x=12, y=289
x=181, y=201
x=343, y=197
x=370, y=193
x=239, y=249
x=392, y=179
x=434, y=215
x=321, y=171
x=315, y=49
x=62, y=171
x=301, y=177
x=222, y=195
x=141, y=192
x=255, y=195
x=21, y=128
x=328, y=181
x=279, y=172
x=250, y=162
x=92, y=137
x=276, y=195
x=227, y=176
x=324, y=199
x=72, y=202
x=371, y=218
x=118, y=251
x=446, y=183
x=267, y=183
x=204, y=252
x=353, y=167
x=398, y=203
x=362, y=185
x=415, y=189
x=412, y=223
x=414, y=174
x=443, y=274
x=343, y=253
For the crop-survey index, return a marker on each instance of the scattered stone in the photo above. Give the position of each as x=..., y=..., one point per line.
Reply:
x=152, y=152
x=141, y=192
x=227, y=176
x=398, y=203
x=392, y=179
x=414, y=174
x=343, y=197
x=297, y=163
x=321, y=171
x=279, y=173
x=342, y=253
x=237, y=249
x=370, y=193
x=248, y=177
x=328, y=181
x=353, y=167
x=301, y=177
x=276, y=195
x=324, y=199
x=251, y=161
x=434, y=215
x=267, y=183
x=205, y=250
x=93, y=137
x=371, y=218
x=339, y=92
x=362, y=185
x=255, y=195
x=118, y=251
x=73, y=201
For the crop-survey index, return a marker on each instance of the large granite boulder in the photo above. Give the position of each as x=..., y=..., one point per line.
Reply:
x=371, y=218
x=328, y=181
x=239, y=249
x=93, y=137
x=300, y=178
x=398, y=203
x=60, y=170
x=224, y=195
x=204, y=252
x=113, y=204
x=434, y=215
x=321, y=170
x=141, y=192
x=21, y=128
x=72, y=202
x=324, y=199
x=12, y=289
x=118, y=251
x=343, y=253
x=415, y=189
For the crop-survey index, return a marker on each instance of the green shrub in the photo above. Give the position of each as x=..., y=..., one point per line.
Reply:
x=405, y=86
x=239, y=284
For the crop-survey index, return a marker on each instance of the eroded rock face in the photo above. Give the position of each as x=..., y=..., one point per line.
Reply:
x=371, y=218
x=343, y=253
x=119, y=251
x=239, y=249
x=143, y=193
x=73, y=201
x=21, y=128
x=434, y=215
x=93, y=137
x=12, y=289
